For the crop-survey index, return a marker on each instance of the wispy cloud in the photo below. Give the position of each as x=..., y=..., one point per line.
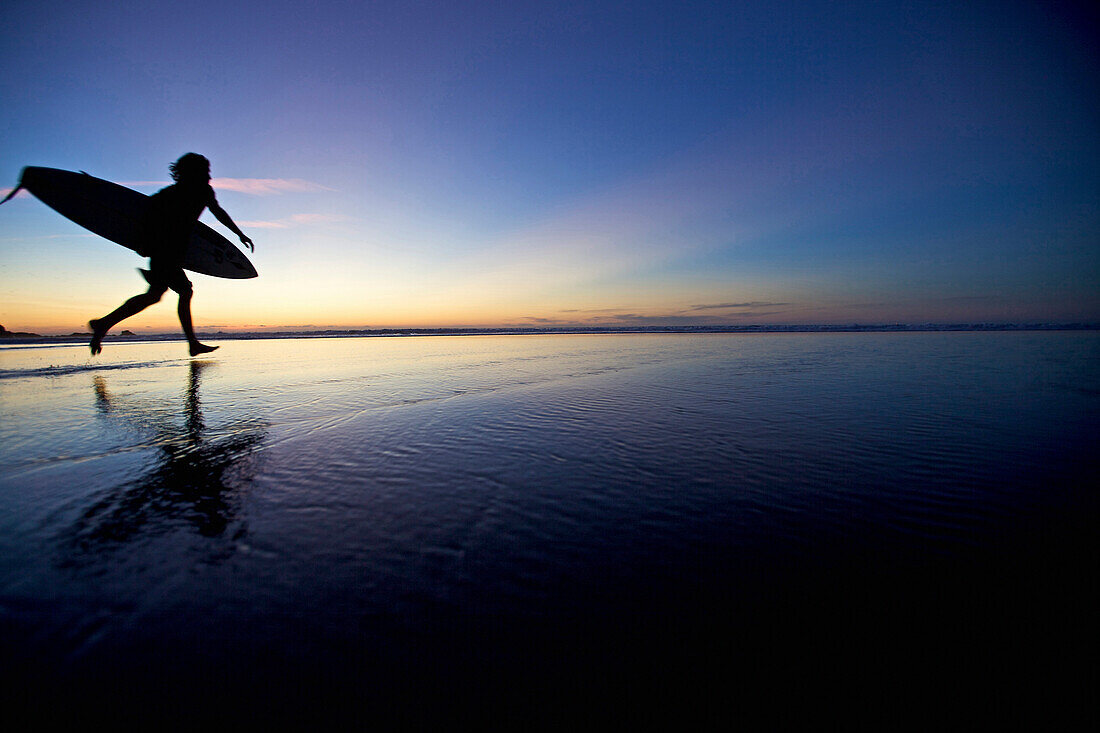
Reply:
x=973, y=298
x=749, y=304
x=641, y=319
x=621, y=317
x=294, y=220
x=144, y=184
x=747, y=312
x=251, y=186
x=43, y=237
x=268, y=186
x=590, y=310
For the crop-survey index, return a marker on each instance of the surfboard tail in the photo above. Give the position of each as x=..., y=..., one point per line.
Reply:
x=14, y=191
x=17, y=189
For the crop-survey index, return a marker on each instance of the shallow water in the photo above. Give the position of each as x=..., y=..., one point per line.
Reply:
x=517, y=520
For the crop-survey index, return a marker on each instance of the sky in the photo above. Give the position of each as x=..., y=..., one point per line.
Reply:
x=438, y=164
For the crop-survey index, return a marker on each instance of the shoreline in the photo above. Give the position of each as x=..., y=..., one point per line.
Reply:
x=75, y=338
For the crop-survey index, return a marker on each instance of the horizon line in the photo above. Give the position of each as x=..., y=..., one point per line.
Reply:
x=9, y=337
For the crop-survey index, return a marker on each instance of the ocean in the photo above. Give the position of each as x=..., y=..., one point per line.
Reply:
x=779, y=529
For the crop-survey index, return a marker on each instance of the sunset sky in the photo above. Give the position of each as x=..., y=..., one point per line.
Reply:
x=419, y=164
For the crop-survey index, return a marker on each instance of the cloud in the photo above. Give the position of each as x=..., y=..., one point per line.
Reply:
x=749, y=304
x=624, y=317
x=268, y=186
x=251, y=186
x=294, y=220
x=40, y=237
x=639, y=319
x=145, y=184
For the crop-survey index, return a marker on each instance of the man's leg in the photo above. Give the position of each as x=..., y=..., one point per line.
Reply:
x=184, y=310
x=133, y=306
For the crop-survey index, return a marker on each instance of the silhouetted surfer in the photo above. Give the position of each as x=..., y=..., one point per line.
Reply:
x=173, y=212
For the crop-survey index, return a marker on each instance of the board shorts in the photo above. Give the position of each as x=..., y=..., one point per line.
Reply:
x=164, y=274
x=166, y=251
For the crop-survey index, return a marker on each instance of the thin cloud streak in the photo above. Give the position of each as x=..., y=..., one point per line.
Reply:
x=749, y=304
x=622, y=317
x=43, y=237
x=295, y=220
x=268, y=186
x=251, y=186
x=590, y=310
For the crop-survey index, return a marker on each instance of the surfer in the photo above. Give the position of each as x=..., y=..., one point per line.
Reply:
x=173, y=212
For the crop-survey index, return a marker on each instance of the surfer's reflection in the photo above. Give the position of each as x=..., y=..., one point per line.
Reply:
x=195, y=482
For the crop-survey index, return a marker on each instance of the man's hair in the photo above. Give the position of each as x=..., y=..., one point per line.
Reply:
x=190, y=165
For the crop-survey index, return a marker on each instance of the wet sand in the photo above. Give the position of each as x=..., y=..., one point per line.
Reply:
x=867, y=530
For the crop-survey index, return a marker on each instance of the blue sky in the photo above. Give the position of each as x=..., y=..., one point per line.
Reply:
x=435, y=164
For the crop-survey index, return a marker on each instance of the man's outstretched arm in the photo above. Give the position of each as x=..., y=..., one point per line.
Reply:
x=220, y=215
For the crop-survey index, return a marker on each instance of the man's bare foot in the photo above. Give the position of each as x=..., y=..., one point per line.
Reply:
x=97, y=336
x=197, y=348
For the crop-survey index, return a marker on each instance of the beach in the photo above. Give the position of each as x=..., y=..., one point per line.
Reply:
x=859, y=529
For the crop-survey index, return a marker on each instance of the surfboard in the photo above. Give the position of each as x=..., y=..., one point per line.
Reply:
x=117, y=213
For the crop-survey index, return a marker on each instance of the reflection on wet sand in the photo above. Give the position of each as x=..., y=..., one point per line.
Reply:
x=196, y=478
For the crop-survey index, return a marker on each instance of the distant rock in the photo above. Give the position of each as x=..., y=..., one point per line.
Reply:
x=126, y=332
x=6, y=334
